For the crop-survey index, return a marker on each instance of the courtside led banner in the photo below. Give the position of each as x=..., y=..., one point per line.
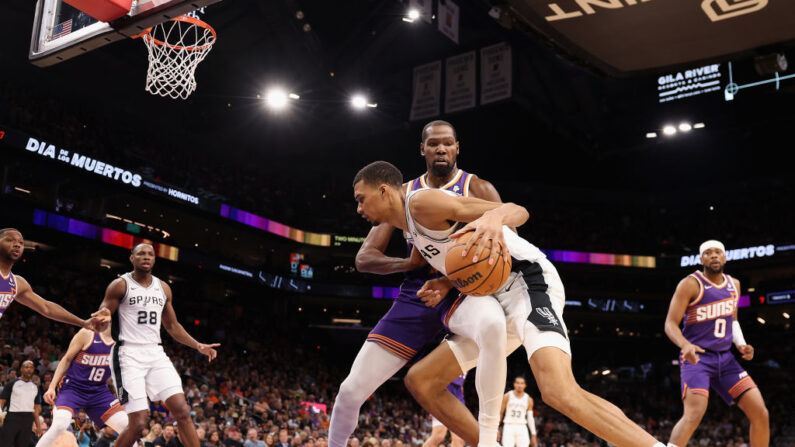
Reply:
x=735, y=254
x=632, y=36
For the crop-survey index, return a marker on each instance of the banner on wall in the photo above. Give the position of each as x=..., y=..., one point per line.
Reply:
x=426, y=91
x=496, y=73
x=448, y=19
x=459, y=91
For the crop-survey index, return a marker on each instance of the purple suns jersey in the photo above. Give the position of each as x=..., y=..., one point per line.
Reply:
x=8, y=291
x=91, y=367
x=708, y=319
x=414, y=279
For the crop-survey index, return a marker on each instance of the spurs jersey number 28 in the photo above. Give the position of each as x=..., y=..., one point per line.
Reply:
x=140, y=312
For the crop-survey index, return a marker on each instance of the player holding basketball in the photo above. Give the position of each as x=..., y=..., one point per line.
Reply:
x=409, y=324
x=706, y=304
x=81, y=378
x=488, y=329
x=140, y=303
x=438, y=430
x=517, y=417
x=16, y=288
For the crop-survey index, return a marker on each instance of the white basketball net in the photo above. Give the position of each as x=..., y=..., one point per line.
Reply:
x=175, y=49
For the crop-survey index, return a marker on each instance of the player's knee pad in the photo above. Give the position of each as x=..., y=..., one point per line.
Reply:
x=61, y=420
x=118, y=422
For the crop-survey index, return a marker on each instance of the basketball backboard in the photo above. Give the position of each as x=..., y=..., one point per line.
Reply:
x=61, y=32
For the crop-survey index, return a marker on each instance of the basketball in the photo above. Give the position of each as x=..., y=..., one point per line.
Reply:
x=475, y=278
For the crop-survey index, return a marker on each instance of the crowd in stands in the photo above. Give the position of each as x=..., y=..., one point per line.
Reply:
x=270, y=385
x=570, y=219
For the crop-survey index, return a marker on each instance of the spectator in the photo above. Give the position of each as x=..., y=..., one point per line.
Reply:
x=107, y=437
x=252, y=439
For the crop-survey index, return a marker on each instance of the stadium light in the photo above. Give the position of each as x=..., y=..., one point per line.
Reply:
x=412, y=15
x=761, y=320
x=358, y=102
x=669, y=130
x=698, y=126
x=785, y=315
x=651, y=134
x=685, y=127
x=276, y=98
x=605, y=372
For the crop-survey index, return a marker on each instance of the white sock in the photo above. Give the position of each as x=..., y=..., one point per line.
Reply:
x=372, y=367
x=118, y=422
x=482, y=320
x=60, y=422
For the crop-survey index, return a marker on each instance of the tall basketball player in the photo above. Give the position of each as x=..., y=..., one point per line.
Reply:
x=82, y=381
x=488, y=329
x=517, y=417
x=705, y=303
x=140, y=303
x=409, y=324
x=14, y=287
x=438, y=430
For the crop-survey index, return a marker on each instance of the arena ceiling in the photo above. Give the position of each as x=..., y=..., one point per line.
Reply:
x=568, y=122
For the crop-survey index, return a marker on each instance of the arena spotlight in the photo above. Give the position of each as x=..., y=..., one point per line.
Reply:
x=685, y=127
x=698, y=126
x=605, y=372
x=413, y=14
x=358, y=102
x=761, y=320
x=669, y=130
x=276, y=98
x=785, y=315
x=651, y=134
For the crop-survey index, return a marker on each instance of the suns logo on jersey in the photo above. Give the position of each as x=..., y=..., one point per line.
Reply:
x=94, y=360
x=6, y=299
x=715, y=310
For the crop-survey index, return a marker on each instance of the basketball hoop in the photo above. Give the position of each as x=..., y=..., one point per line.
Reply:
x=175, y=49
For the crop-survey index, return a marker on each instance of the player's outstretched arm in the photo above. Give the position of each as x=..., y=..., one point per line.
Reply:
x=178, y=332
x=53, y=311
x=434, y=207
x=686, y=291
x=371, y=258
x=79, y=341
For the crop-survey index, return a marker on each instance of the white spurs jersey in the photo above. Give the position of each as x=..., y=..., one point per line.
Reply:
x=516, y=409
x=434, y=244
x=140, y=312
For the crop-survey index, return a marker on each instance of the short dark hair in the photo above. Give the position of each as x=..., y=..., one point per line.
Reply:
x=424, y=134
x=379, y=172
x=519, y=377
x=6, y=230
x=135, y=247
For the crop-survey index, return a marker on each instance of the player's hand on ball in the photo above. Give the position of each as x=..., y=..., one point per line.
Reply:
x=690, y=353
x=49, y=397
x=433, y=291
x=487, y=227
x=208, y=350
x=747, y=352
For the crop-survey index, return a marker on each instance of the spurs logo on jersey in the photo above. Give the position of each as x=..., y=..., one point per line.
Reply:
x=434, y=244
x=140, y=312
x=516, y=409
